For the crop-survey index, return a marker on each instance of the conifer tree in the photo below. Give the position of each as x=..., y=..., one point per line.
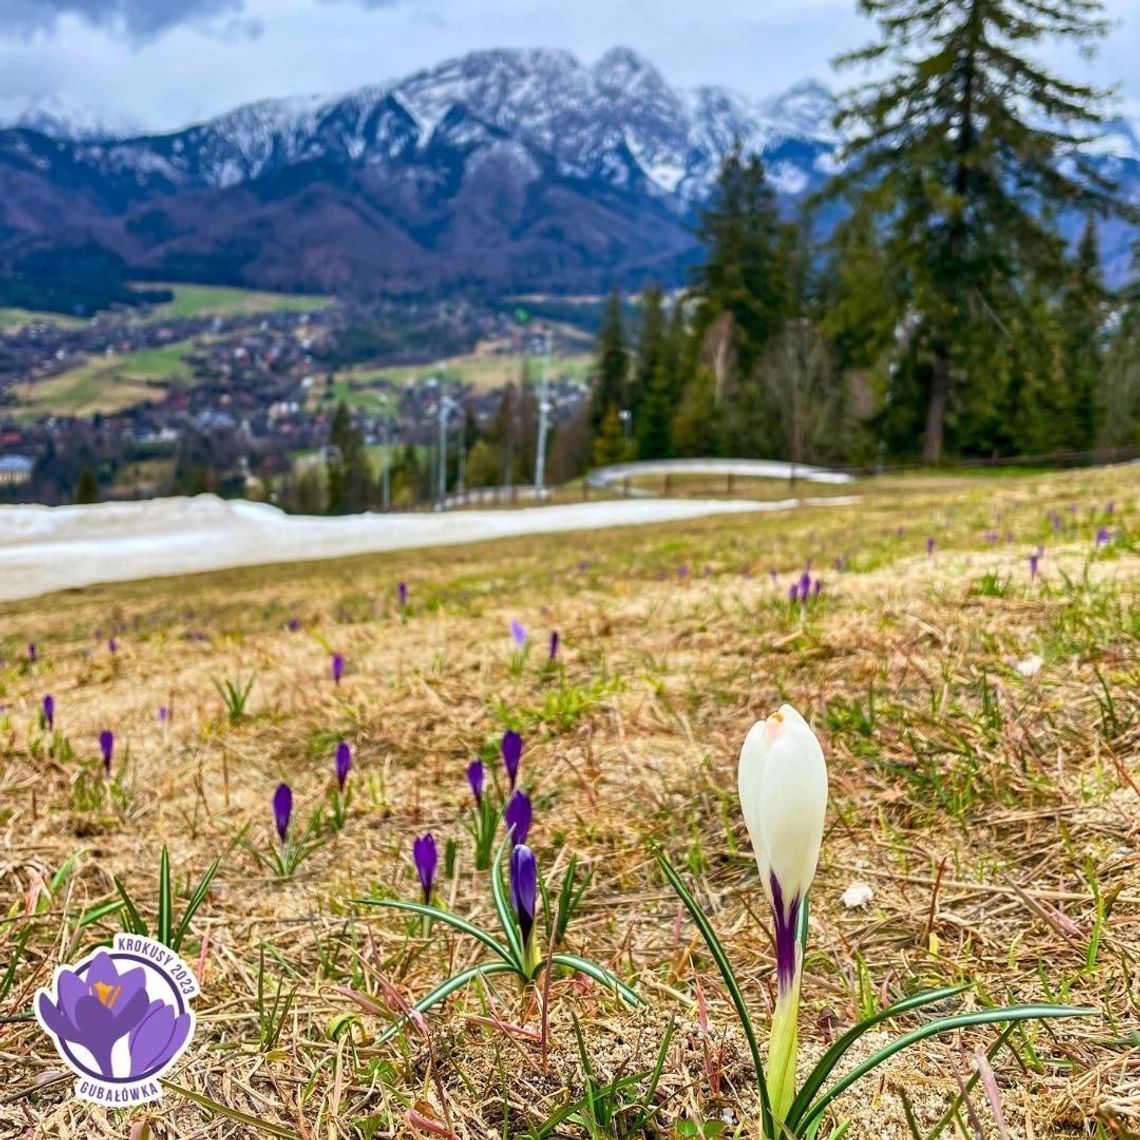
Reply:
x=610, y=381
x=663, y=395
x=959, y=150
x=650, y=348
x=745, y=275
x=1083, y=312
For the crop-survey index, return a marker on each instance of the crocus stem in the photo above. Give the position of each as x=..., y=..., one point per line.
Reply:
x=783, y=1047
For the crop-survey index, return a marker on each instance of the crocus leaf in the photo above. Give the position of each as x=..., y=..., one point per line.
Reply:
x=503, y=908
x=454, y=920
x=98, y=912
x=721, y=959
x=834, y=1055
x=445, y=989
x=137, y=925
x=599, y=974
x=945, y=1025
x=165, y=929
x=196, y=900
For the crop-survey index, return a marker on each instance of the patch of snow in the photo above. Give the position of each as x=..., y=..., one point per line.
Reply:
x=43, y=549
x=1031, y=666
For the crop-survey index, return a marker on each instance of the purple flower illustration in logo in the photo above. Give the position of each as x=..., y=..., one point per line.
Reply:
x=120, y=1017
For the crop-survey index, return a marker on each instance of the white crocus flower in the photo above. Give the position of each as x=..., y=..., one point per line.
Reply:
x=783, y=793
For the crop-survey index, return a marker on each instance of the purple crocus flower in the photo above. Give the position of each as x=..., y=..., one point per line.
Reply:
x=343, y=763
x=97, y=1004
x=793, y=592
x=293, y=624
x=112, y=645
x=554, y=645
x=337, y=667
x=816, y=587
x=991, y=537
x=426, y=859
x=402, y=594
x=524, y=888
x=163, y=714
x=1055, y=520
x=1033, y=560
x=283, y=809
x=517, y=816
x=33, y=655
x=107, y=748
x=1103, y=536
x=475, y=777
x=49, y=712
x=682, y=571
x=930, y=547
x=512, y=753
x=805, y=585
x=518, y=634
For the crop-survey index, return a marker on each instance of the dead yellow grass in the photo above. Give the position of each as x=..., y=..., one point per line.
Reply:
x=989, y=811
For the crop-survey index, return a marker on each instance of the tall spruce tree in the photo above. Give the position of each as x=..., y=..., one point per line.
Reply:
x=959, y=150
x=654, y=425
x=349, y=475
x=650, y=349
x=610, y=380
x=1083, y=312
x=744, y=275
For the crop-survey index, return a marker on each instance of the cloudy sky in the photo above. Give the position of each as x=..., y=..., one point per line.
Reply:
x=163, y=63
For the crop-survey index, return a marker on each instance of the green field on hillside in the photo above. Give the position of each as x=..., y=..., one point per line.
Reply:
x=105, y=384
x=206, y=300
x=363, y=387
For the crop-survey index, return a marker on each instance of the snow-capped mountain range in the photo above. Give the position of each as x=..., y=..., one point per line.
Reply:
x=498, y=169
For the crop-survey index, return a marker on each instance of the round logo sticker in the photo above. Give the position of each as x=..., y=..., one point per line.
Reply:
x=120, y=1018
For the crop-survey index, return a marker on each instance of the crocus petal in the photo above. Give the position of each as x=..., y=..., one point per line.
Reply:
x=282, y=809
x=524, y=888
x=517, y=816
x=783, y=794
x=426, y=859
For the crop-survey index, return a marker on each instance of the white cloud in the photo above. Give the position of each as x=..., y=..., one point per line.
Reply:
x=168, y=62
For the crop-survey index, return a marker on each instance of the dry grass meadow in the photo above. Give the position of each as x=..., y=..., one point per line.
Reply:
x=991, y=802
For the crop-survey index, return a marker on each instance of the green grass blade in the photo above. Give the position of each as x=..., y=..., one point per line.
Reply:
x=946, y=1025
x=446, y=989
x=834, y=1055
x=604, y=1091
x=137, y=925
x=721, y=959
x=599, y=974
x=503, y=907
x=454, y=920
x=231, y=1113
x=196, y=900
x=164, y=932
x=654, y=1078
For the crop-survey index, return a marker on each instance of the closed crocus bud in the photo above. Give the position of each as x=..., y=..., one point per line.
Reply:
x=554, y=645
x=49, y=712
x=107, y=748
x=783, y=794
x=512, y=754
x=524, y=900
x=475, y=777
x=282, y=810
x=337, y=667
x=343, y=762
x=426, y=859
